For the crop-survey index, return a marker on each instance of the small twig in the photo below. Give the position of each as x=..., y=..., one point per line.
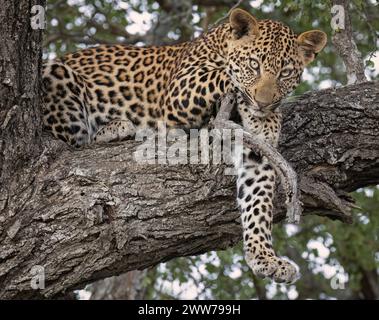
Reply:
x=227, y=15
x=285, y=172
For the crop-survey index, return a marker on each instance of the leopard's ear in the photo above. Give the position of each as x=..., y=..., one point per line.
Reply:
x=310, y=43
x=243, y=23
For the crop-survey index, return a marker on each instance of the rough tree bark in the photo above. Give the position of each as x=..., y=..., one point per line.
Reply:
x=87, y=214
x=95, y=212
x=20, y=61
x=344, y=43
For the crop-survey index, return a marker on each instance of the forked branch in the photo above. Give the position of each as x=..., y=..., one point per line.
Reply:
x=285, y=172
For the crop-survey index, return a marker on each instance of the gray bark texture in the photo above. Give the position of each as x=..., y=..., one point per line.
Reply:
x=344, y=43
x=87, y=214
x=93, y=213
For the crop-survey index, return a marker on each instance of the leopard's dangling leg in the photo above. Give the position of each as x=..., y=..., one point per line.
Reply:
x=256, y=187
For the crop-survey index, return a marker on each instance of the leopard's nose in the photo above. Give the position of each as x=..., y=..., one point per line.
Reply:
x=262, y=104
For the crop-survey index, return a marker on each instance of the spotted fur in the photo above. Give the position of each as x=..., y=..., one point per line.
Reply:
x=106, y=93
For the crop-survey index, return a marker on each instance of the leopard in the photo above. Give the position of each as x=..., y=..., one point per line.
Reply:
x=107, y=93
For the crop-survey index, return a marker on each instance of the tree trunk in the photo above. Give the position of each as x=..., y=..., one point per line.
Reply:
x=20, y=62
x=127, y=286
x=20, y=121
x=369, y=284
x=76, y=216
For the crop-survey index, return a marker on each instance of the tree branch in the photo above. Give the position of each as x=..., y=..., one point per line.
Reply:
x=93, y=213
x=346, y=47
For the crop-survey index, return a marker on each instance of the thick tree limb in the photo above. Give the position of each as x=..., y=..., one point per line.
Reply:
x=92, y=213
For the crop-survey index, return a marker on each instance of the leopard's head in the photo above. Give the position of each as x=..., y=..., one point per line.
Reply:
x=266, y=58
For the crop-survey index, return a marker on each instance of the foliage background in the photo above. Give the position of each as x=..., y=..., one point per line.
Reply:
x=337, y=261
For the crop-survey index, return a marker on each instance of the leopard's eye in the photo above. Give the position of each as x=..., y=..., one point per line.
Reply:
x=254, y=64
x=285, y=73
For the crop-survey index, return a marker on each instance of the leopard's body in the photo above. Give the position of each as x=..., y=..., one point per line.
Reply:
x=106, y=93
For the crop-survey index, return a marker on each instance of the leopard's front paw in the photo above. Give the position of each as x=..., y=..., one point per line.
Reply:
x=277, y=269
